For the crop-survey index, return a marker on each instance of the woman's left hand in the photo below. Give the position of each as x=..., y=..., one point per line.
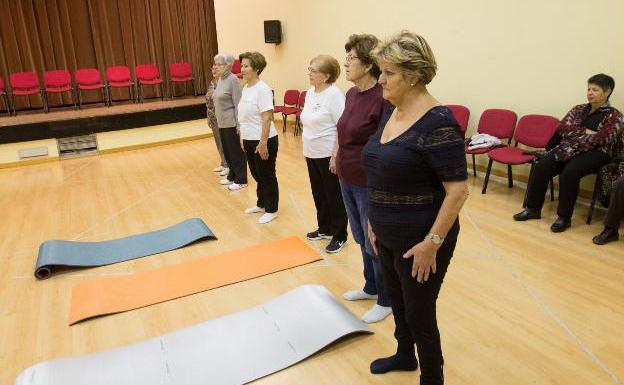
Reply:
x=262, y=150
x=424, y=254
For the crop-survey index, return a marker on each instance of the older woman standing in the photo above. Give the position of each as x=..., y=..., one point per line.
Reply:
x=364, y=105
x=226, y=97
x=588, y=138
x=255, y=116
x=323, y=107
x=416, y=172
x=222, y=169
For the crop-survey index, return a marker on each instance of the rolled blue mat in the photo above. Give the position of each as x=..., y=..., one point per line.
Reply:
x=56, y=253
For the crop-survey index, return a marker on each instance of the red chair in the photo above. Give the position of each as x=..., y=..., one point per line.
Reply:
x=180, y=73
x=461, y=114
x=3, y=95
x=57, y=82
x=119, y=77
x=24, y=84
x=496, y=122
x=300, y=105
x=532, y=131
x=87, y=80
x=148, y=75
x=291, y=98
x=236, y=69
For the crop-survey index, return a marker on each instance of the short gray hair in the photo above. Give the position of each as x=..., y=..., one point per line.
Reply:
x=226, y=58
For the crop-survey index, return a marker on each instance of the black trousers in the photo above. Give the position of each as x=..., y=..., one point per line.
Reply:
x=414, y=304
x=331, y=214
x=615, y=212
x=570, y=174
x=234, y=155
x=263, y=171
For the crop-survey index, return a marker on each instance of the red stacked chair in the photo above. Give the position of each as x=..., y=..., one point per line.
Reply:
x=300, y=105
x=3, y=95
x=25, y=84
x=57, y=82
x=236, y=69
x=496, y=122
x=180, y=73
x=291, y=98
x=89, y=79
x=148, y=75
x=534, y=131
x=119, y=77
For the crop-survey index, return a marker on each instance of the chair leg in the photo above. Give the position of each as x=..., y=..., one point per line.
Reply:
x=194, y=88
x=162, y=93
x=487, y=176
x=509, y=176
x=79, y=97
x=593, y=200
x=73, y=96
x=284, y=122
x=6, y=104
x=44, y=99
x=474, y=168
x=171, y=90
x=13, y=104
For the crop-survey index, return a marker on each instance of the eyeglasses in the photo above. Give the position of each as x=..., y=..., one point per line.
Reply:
x=350, y=58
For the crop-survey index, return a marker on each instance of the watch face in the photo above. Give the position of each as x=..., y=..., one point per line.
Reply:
x=435, y=238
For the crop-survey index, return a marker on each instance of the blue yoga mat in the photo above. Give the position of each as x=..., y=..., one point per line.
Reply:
x=54, y=254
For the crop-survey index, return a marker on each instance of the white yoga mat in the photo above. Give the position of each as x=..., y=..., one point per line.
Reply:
x=231, y=350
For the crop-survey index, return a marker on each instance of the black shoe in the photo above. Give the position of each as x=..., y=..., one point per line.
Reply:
x=316, y=235
x=607, y=235
x=527, y=214
x=335, y=245
x=561, y=224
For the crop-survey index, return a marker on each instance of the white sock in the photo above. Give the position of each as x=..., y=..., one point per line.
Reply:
x=376, y=313
x=253, y=210
x=267, y=217
x=356, y=295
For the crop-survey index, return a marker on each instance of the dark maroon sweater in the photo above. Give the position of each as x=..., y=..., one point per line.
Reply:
x=358, y=122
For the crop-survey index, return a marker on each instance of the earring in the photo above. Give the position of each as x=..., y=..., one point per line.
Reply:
x=412, y=84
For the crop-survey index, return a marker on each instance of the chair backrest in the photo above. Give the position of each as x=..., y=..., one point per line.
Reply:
x=147, y=72
x=236, y=67
x=118, y=74
x=88, y=76
x=291, y=97
x=497, y=122
x=302, y=96
x=461, y=114
x=56, y=78
x=24, y=80
x=180, y=70
x=536, y=130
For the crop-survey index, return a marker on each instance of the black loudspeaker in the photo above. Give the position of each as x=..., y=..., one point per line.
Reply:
x=272, y=31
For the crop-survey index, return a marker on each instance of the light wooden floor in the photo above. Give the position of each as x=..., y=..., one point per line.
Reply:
x=520, y=305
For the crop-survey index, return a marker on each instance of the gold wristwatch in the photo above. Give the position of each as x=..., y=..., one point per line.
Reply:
x=435, y=238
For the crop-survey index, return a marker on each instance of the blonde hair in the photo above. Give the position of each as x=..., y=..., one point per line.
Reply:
x=328, y=65
x=411, y=52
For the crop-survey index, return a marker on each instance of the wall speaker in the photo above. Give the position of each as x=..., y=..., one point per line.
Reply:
x=272, y=31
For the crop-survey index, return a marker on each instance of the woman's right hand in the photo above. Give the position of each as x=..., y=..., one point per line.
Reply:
x=332, y=164
x=372, y=238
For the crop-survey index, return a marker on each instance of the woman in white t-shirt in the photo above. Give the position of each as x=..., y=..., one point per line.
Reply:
x=323, y=107
x=255, y=119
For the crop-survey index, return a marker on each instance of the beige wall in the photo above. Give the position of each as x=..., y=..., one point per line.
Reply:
x=530, y=56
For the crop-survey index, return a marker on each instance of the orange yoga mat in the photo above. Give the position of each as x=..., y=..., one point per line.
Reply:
x=118, y=294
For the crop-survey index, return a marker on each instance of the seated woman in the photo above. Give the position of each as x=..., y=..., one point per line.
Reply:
x=588, y=137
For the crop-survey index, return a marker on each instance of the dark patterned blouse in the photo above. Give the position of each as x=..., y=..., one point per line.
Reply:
x=405, y=175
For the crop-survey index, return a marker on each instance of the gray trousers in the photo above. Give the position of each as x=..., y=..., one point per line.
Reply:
x=212, y=122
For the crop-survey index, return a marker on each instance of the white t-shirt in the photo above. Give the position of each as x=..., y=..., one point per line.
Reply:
x=320, y=114
x=253, y=102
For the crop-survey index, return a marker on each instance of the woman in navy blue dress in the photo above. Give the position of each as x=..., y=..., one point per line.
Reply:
x=416, y=178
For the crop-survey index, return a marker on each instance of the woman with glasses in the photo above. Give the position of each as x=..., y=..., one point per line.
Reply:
x=226, y=97
x=364, y=106
x=323, y=107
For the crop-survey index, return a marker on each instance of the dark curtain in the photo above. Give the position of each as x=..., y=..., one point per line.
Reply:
x=40, y=35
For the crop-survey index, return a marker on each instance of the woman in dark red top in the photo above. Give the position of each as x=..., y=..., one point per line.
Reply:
x=363, y=109
x=588, y=136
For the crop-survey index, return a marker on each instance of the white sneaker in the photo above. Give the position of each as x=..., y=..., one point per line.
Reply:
x=376, y=313
x=236, y=186
x=218, y=169
x=253, y=210
x=225, y=181
x=356, y=295
x=267, y=217
x=224, y=171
